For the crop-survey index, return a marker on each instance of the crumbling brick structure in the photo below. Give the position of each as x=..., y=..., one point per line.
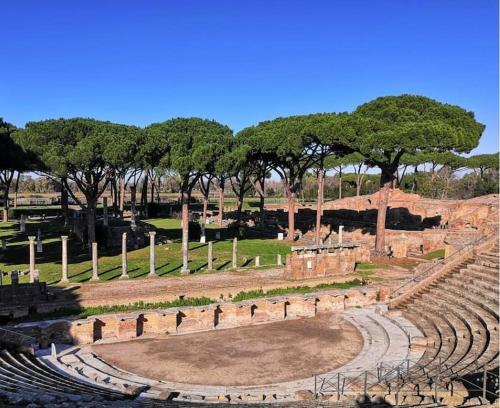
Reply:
x=324, y=260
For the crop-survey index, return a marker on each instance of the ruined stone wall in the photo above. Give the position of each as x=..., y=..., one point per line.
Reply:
x=118, y=327
x=340, y=261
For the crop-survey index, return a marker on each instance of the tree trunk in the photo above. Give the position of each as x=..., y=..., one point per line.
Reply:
x=16, y=188
x=91, y=213
x=382, y=215
x=319, y=206
x=185, y=231
x=291, y=216
x=122, y=195
x=115, y=197
x=358, y=186
x=144, y=196
x=5, y=216
x=64, y=203
x=340, y=184
x=205, y=209
x=221, y=204
x=240, y=197
x=152, y=193
x=133, y=199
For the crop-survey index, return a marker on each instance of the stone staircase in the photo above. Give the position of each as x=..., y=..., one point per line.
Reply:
x=458, y=314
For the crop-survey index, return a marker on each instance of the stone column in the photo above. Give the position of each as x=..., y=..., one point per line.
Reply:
x=22, y=225
x=279, y=262
x=39, y=246
x=124, y=274
x=64, y=240
x=105, y=211
x=32, y=257
x=341, y=230
x=152, y=261
x=257, y=261
x=235, y=252
x=4, y=244
x=95, y=263
x=210, y=255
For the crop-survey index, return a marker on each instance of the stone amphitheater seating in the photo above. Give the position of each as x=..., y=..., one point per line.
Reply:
x=458, y=314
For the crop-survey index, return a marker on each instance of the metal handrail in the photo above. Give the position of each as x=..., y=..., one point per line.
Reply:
x=336, y=383
x=428, y=271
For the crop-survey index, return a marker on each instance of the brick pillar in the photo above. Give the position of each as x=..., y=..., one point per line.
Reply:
x=210, y=255
x=32, y=257
x=124, y=274
x=64, y=241
x=95, y=263
x=235, y=252
x=152, y=261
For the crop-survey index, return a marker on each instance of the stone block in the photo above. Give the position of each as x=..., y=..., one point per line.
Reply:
x=354, y=298
x=329, y=302
x=127, y=327
x=300, y=306
x=106, y=327
x=233, y=315
x=82, y=331
x=194, y=319
x=384, y=294
x=418, y=343
x=265, y=310
x=163, y=322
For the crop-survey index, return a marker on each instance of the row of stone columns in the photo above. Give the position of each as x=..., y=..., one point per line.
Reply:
x=124, y=274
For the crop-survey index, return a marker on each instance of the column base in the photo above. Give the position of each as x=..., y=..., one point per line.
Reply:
x=152, y=274
x=124, y=276
x=94, y=279
x=64, y=281
x=185, y=271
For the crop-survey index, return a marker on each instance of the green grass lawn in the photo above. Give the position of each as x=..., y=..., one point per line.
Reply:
x=437, y=254
x=168, y=253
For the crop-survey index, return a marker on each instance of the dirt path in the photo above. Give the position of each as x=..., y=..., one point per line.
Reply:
x=214, y=286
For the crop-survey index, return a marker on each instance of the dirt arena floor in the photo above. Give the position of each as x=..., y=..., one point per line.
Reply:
x=252, y=355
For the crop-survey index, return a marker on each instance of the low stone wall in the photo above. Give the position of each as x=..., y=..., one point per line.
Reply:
x=119, y=327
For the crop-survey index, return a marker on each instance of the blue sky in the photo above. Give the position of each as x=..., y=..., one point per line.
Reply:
x=242, y=62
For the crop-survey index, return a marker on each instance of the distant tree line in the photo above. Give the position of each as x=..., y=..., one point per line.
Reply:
x=391, y=135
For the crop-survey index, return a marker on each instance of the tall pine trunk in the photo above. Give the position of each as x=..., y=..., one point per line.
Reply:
x=221, y=204
x=144, y=196
x=133, y=199
x=185, y=231
x=122, y=195
x=64, y=202
x=16, y=188
x=91, y=214
x=291, y=215
x=319, y=206
x=205, y=209
x=386, y=182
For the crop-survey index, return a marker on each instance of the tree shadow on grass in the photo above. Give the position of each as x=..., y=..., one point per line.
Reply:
x=222, y=266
